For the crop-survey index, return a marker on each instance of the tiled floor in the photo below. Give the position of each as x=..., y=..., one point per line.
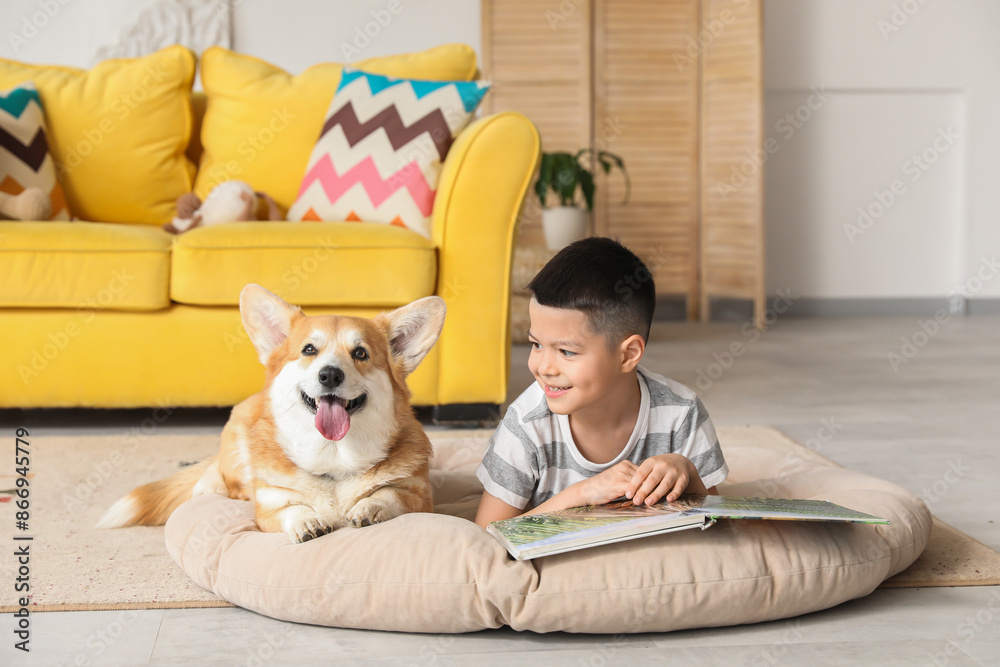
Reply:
x=831, y=381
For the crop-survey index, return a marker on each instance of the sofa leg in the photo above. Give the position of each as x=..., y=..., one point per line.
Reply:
x=479, y=414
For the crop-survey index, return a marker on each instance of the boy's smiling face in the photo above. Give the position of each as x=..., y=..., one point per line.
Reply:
x=574, y=366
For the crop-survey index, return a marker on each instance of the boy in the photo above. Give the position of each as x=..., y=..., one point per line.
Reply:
x=595, y=426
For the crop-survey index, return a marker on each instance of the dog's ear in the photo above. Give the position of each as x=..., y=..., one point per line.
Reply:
x=267, y=319
x=413, y=330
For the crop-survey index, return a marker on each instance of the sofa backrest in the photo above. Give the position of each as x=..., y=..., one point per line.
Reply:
x=199, y=102
x=116, y=133
x=122, y=127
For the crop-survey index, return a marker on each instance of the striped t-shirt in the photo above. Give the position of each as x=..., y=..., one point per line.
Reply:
x=532, y=456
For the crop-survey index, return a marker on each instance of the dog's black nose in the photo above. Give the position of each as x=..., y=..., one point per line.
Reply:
x=331, y=377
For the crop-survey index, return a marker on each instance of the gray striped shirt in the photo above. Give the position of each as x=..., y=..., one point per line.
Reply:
x=532, y=456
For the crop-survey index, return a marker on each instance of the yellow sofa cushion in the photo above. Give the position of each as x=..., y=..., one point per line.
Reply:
x=91, y=267
x=261, y=122
x=308, y=264
x=181, y=355
x=118, y=132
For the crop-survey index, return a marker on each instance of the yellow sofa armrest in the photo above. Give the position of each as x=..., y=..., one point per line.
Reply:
x=483, y=184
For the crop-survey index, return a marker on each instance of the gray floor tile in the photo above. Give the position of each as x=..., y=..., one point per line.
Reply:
x=884, y=653
x=95, y=638
x=609, y=654
x=887, y=653
x=936, y=614
x=985, y=651
x=247, y=636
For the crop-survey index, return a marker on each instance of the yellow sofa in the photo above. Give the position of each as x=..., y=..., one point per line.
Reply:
x=119, y=313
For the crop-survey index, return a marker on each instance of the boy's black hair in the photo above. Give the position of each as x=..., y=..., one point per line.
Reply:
x=603, y=279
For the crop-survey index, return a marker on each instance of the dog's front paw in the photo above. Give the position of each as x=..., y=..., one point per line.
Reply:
x=367, y=511
x=304, y=525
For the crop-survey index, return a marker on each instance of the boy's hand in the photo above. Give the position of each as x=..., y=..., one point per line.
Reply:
x=664, y=476
x=608, y=485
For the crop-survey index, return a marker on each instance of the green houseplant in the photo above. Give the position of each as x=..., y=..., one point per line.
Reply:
x=563, y=174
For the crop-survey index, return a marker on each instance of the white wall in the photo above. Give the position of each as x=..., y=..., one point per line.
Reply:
x=292, y=34
x=63, y=32
x=889, y=94
x=297, y=33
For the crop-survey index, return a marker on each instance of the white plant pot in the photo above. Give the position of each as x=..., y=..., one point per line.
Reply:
x=563, y=225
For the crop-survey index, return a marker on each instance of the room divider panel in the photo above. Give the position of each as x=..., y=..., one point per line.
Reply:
x=675, y=88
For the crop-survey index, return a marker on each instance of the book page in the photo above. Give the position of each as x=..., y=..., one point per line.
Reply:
x=731, y=507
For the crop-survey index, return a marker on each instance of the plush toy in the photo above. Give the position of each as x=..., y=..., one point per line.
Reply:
x=31, y=204
x=232, y=201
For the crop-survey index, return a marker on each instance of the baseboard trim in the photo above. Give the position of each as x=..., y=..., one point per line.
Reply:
x=481, y=414
x=728, y=310
x=983, y=306
x=890, y=307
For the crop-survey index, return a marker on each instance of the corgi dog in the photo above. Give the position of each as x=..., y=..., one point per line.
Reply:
x=331, y=441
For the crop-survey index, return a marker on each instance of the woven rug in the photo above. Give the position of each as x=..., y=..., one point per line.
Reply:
x=73, y=480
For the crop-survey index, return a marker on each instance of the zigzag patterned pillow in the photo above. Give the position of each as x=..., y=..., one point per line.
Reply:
x=24, y=151
x=381, y=148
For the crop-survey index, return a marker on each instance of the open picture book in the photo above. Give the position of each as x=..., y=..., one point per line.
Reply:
x=535, y=535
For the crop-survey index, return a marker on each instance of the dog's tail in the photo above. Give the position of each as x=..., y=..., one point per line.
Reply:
x=151, y=504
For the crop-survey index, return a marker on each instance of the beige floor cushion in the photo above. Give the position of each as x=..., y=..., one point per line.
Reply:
x=441, y=573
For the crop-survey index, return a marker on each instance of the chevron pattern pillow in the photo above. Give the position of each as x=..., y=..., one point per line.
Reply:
x=381, y=149
x=24, y=151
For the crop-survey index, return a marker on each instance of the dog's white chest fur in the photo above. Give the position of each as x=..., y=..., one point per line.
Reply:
x=329, y=480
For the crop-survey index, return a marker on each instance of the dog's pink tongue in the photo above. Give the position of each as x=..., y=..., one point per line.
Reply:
x=332, y=419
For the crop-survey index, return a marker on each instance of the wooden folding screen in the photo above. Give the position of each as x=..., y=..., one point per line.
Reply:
x=540, y=65
x=732, y=155
x=674, y=87
x=646, y=110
